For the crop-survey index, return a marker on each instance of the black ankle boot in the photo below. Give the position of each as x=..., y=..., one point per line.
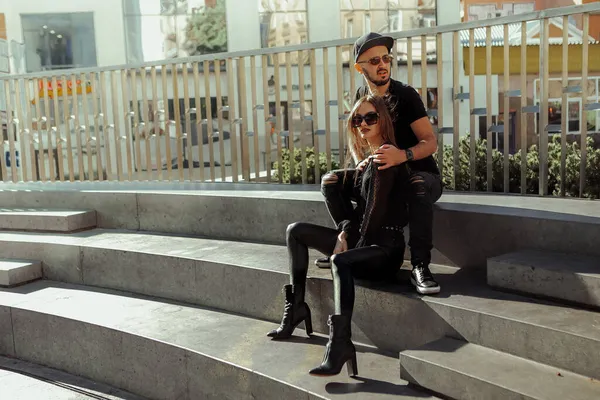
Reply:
x=294, y=312
x=340, y=349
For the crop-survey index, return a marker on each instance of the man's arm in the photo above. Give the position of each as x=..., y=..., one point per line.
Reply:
x=419, y=123
x=427, y=141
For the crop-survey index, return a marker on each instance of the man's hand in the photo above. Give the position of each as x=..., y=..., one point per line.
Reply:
x=389, y=156
x=341, y=244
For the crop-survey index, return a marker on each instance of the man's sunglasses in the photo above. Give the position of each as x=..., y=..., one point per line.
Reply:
x=376, y=60
x=371, y=118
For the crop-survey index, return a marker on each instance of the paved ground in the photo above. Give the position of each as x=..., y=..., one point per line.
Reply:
x=24, y=381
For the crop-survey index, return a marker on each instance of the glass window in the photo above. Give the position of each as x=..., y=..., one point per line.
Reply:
x=282, y=22
x=163, y=29
x=386, y=15
x=59, y=41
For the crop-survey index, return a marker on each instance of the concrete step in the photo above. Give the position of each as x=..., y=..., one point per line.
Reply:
x=46, y=220
x=467, y=371
x=167, y=350
x=468, y=228
x=18, y=272
x=20, y=380
x=246, y=278
x=569, y=277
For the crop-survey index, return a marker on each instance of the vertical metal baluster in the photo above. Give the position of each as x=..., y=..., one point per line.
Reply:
x=217, y=64
x=106, y=126
x=77, y=129
x=584, y=100
x=59, y=138
x=127, y=113
x=177, y=118
x=455, y=106
x=315, y=113
x=440, y=104
x=265, y=99
x=472, y=127
x=209, y=120
x=117, y=130
x=395, y=72
x=340, y=100
x=67, y=120
x=188, y=123
x=232, y=121
x=253, y=99
x=564, y=127
x=29, y=127
x=327, y=107
x=243, y=140
x=290, y=138
x=147, y=126
x=97, y=137
x=424, y=72
x=199, y=129
x=86, y=121
x=409, y=61
x=136, y=123
x=488, y=87
x=545, y=86
x=3, y=166
x=278, y=127
x=523, y=105
x=38, y=161
x=19, y=130
x=167, y=118
x=48, y=132
x=506, y=133
x=302, y=116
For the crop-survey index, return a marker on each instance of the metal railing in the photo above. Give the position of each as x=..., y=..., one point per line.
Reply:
x=238, y=116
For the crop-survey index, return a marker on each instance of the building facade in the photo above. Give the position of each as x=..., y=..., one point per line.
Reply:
x=45, y=36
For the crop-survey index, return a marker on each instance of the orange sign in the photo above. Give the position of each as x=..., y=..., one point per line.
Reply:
x=49, y=90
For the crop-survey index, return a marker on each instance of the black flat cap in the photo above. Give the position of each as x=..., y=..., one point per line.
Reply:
x=370, y=40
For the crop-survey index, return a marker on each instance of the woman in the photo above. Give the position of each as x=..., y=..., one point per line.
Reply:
x=367, y=245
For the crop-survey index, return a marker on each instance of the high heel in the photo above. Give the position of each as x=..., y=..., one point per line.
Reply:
x=308, y=323
x=352, y=366
x=339, y=350
x=294, y=312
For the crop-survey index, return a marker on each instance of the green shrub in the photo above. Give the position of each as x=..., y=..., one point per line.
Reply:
x=572, y=171
x=310, y=165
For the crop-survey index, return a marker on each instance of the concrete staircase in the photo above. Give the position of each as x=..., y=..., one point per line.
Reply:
x=169, y=316
x=20, y=380
x=18, y=272
x=44, y=220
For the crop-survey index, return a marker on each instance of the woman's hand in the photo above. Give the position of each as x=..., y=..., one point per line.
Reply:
x=341, y=245
x=361, y=165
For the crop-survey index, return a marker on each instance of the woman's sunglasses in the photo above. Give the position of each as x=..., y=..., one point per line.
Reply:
x=376, y=60
x=371, y=118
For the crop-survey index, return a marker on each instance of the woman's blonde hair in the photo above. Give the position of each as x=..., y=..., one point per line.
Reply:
x=358, y=148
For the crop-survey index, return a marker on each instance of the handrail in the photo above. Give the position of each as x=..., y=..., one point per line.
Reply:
x=512, y=19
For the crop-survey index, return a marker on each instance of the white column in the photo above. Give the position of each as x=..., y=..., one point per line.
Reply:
x=323, y=20
x=243, y=25
x=448, y=12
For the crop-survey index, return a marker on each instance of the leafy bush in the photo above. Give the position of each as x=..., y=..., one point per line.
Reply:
x=310, y=165
x=463, y=177
x=572, y=171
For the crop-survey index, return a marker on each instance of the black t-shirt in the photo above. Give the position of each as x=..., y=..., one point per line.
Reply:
x=406, y=107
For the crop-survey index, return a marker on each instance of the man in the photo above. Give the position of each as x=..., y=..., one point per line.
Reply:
x=416, y=145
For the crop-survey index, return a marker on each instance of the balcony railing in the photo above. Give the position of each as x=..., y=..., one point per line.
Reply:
x=486, y=85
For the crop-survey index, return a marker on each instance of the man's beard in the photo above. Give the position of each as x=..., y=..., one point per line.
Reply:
x=378, y=82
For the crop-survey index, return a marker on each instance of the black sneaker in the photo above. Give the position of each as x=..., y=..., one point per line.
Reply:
x=323, y=262
x=422, y=279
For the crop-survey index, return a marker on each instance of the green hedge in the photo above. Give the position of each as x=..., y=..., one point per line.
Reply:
x=572, y=175
x=573, y=161
x=310, y=165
